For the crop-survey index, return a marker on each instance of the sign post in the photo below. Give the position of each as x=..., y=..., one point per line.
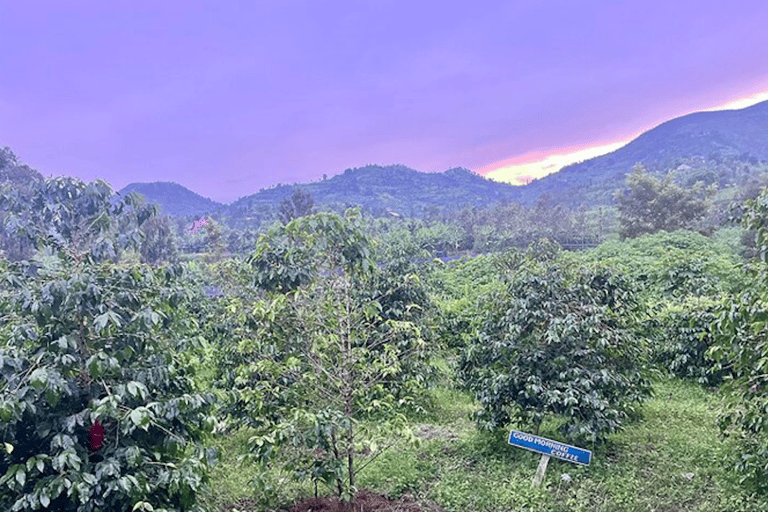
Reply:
x=543, y=461
x=548, y=448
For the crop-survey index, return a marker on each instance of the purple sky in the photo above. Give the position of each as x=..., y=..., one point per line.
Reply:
x=227, y=97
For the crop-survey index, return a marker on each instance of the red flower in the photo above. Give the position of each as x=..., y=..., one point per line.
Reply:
x=96, y=436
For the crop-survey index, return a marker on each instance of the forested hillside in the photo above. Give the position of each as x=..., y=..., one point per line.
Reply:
x=735, y=136
x=393, y=188
x=724, y=147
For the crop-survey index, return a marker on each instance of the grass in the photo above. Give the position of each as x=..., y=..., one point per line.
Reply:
x=670, y=460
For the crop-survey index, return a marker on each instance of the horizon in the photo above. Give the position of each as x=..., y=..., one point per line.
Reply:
x=517, y=171
x=537, y=165
x=530, y=165
x=232, y=98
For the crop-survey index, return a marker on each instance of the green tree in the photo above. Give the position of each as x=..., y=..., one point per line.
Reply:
x=213, y=239
x=98, y=408
x=298, y=205
x=20, y=176
x=158, y=244
x=311, y=378
x=21, y=179
x=78, y=220
x=648, y=205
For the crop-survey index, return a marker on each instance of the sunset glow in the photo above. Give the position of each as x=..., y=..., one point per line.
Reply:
x=519, y=170
x=516, y=169
x=744, y=102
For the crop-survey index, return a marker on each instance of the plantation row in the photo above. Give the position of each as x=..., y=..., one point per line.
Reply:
x=115, y=374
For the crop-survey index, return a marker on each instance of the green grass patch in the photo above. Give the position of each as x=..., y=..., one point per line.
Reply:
x=670, y=460
x=234, y=485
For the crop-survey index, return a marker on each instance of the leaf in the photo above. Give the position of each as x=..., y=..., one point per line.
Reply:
x=140, y=417
x=6, y=412
x=100, y=322
x=137, y=389
x=133, y=455
x=8, y=448
x=21, y=475
x=52, y=397
x=39, y=378
x=62, y=342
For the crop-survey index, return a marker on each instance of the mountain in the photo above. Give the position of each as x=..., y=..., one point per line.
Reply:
x=173, y=198
x=393, y=188
x=712, y=144
x=726, y=134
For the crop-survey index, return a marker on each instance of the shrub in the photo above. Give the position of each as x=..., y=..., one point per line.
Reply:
x=558, y=341
x=685, y=336
x=741, y=347
x=98, y=408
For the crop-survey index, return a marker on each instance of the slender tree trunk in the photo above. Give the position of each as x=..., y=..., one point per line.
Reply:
x=349, y=386
x=351, y=453
x=337, y=457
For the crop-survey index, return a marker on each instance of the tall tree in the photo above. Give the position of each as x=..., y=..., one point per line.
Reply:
x=158, y=243
x=298, y=205
x=648, y=204
x=20, y=179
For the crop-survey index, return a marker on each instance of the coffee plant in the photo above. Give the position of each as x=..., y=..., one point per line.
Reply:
x=741, y=349
x=558, y=341
x=98, y=406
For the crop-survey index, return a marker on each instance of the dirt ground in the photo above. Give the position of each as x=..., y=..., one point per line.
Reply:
x=367, y=501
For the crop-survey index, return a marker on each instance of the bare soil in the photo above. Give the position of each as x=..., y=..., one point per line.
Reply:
x=366, y=501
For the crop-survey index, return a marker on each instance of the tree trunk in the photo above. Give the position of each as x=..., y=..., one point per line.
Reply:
x=349, y=387
x=336, y=456
x=351, y=456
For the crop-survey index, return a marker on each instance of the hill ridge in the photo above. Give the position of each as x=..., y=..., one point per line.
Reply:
x=173, y=198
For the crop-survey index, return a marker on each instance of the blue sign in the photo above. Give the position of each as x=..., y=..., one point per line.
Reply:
x=549, y=447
